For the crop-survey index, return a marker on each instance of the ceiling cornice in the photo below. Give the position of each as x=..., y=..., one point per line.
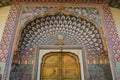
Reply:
x=112, y=3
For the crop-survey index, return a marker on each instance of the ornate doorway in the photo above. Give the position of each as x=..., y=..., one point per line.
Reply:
x=60, y=66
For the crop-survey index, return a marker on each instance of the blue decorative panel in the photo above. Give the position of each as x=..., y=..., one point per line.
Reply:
x=1, y=69
x=13, y=72
x=21, y=72
x=24, y=72
x=99, y=72
x=118, y=68
x=28, y=12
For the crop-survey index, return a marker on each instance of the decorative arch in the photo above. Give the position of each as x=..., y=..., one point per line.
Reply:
x=76, y=30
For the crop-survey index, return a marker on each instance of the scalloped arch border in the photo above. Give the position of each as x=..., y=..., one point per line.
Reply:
x=55, y=13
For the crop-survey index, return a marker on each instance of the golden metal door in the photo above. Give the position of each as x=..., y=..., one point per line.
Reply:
x=60, y=66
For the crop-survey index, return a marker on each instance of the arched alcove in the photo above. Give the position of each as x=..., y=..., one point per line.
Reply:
x=76, y=30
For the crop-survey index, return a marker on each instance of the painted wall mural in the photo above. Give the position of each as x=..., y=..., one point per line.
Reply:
x=21, y=72
x=99, y=72
x=20, y=13
x=50, y=26
x=13, y=72
x=22, y=65
x=90, y=12
x=118, y=68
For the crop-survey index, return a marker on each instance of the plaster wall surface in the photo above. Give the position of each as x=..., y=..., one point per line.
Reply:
x=4, y=11
x=116, y=18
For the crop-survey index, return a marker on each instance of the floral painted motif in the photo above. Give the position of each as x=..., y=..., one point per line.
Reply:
x=91, y=13
x=30, y=11
x=44, y=31
x=99, y=72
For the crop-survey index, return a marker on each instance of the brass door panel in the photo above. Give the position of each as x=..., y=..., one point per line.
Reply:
x=60, y=66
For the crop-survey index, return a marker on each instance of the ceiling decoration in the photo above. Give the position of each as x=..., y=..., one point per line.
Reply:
x=75, y=31
x=112, y=3
x=5, y=2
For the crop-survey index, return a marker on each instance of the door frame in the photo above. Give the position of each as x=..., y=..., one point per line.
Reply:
x=56, y=47
x=60, y=56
